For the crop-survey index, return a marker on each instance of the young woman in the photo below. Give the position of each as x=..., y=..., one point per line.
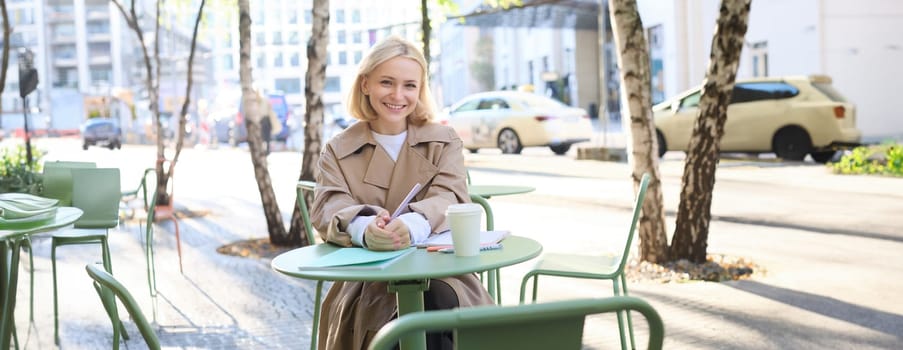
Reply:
x=367, y=170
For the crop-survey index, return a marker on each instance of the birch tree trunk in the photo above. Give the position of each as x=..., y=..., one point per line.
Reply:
x=152, y=85
x=694, y=212
x=4, y=59
x=633, y=59
x=250, y=103
x=315, y=81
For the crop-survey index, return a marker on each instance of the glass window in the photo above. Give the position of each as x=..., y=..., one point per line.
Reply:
x=333, y=84
x=295, y=59
x=343, y=58
x=277, y=38
x=289, y=85
x=95, y=27
x=340, y=16
x=691, y=101
x=340, y=36
x=293, y=38
x=358, y=55
x=355, y=16
x=356, y=37
x=308, y=16
x=101, y=74
x=261, y=60
x=260, y=38
x=226, y=62
x=751, y=92
x=277, y=62
x=293, y=17
x=493, y=103
x=468, y=106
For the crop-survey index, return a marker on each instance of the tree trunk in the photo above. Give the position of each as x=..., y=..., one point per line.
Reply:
x=426, y=28
x=250, y=104
x=633, y=59
x=7, y=30
x=152, y=86
x=315, y=82
x=694, y=212
x=180, y=139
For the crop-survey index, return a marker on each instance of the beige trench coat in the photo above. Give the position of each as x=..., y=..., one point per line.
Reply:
x=357, y=177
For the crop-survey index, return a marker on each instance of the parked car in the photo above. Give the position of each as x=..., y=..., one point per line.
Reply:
x=791, y=116
x=512, y=120
x=102, y=132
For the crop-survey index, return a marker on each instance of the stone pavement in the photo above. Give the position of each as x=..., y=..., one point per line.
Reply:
x=820, y=291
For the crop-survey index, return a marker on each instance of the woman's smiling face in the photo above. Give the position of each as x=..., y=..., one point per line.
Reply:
x=393, y=89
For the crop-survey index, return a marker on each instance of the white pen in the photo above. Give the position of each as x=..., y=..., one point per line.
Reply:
x=482, y=248
x=404, y=203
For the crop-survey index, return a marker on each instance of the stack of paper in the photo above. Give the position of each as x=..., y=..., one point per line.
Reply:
x=445, y=238
x=356, y=259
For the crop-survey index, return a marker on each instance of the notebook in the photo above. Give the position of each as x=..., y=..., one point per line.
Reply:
x=445, y=238
x=356, y=258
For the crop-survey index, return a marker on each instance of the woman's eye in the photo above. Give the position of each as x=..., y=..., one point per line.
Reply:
x=386, y=83
x=411, y=86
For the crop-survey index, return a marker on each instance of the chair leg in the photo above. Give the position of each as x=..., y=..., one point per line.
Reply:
x=523, y=286
x=56, y=308
x=27, y=244
x=621, y=335
x=178, y=242
x=498, y=285
x=629, y=319
x=108, y=265
x=151, y=268
x=315, y=329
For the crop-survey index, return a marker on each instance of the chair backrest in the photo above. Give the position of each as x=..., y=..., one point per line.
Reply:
x=105, y=284
x=490, y=220
x=58, y=179
x=306, y=186
x=96, y=192
x=553, y=325
x=637, y=207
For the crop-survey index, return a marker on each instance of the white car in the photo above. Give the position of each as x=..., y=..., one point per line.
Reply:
x=512, y=120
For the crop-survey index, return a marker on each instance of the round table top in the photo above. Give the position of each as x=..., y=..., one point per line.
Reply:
x=64, y=216
x=497, y=190
x=416, y=265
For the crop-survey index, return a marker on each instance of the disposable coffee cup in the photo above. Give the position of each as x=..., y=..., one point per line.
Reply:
x=464, y=220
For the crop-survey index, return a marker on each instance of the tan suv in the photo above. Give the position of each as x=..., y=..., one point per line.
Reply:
x=791, y=116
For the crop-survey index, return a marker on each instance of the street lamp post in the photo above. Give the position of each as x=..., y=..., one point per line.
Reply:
x=28, y=81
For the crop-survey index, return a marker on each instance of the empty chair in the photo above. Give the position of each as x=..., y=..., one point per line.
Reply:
x=603, y=267
x=96, y=192
x=126, y=196
x=108, y=288
x=555, y=325
x=310, y=186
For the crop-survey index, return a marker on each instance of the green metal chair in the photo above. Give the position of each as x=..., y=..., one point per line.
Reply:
x=495, y=288
x=310, y=186
x=604, y=267
x=555, y=325
x=129, y=195
x=108, y=288
x=149, y=246
x=96, y=192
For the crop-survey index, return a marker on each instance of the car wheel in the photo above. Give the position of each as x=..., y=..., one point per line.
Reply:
x=509, y=142
x=473, y=150
x=561, y=149
x=823, y=156
x=791, y=144
x=662, y=145
x=85, y=146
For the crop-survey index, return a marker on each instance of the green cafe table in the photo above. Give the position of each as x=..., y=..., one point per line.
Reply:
x=13, y=237
x=408, y=276
x=487, y=191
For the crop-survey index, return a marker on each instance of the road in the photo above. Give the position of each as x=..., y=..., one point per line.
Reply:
x=829, y=244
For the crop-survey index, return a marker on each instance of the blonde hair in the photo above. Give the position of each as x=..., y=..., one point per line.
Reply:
x=389, y=48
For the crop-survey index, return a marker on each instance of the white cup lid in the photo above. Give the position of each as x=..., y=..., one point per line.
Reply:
x=463, y=208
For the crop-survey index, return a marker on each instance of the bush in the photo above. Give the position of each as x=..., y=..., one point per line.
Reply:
x=883, y=159
x=16, y=175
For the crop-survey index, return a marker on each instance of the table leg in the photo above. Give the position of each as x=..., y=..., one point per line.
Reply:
x=493, y=276
x=409, y=295
x=10, y=262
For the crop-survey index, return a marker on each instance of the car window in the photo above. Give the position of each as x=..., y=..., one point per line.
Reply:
x=829, y=91
x=691, y=101
x=537, y=101
x=750, y=92
x=467, y=106
x=492, y=103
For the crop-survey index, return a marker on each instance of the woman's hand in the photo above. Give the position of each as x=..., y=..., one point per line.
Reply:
x=381, y=235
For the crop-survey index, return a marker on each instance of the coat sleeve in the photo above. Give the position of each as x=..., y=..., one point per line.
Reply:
x=449, y=186
x=334, y=207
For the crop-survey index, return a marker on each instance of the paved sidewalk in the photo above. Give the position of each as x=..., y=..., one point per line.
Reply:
x=821, y=291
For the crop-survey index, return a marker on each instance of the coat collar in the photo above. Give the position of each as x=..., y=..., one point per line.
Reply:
x=358, y=134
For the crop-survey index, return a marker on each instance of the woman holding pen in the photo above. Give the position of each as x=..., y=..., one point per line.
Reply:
x=367, y=171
